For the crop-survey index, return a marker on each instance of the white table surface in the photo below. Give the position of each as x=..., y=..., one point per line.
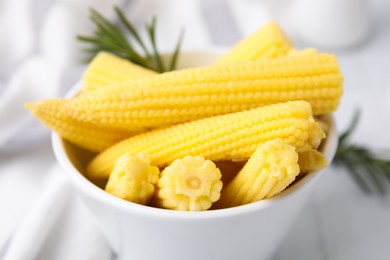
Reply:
x=338, y=222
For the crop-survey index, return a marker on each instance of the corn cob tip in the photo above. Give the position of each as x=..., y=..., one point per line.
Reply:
x=29, y=105
x=133, y=178
x=37, y=108
x=32, y=106
x=268, y=41
x=191, y=183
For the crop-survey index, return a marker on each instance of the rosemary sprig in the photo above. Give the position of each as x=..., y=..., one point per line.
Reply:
x=114, y=38
x=369, y=169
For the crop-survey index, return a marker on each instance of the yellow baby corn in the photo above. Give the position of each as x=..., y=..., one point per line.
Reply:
x=267, y=42
x=311, y=160
x=227, y=137
x=270, y=169
x=54, y=114
x=133, y=178
x=190, y=94
x=191, y=183
x=107, y=69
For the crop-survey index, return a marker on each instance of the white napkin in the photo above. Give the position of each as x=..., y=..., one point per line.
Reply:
x=32, y=232
x=17, y=33
x=63, y=22
x=48, y=230
x=75, y=236
x=34, y=79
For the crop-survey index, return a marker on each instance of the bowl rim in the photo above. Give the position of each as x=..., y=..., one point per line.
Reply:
x=86, y=186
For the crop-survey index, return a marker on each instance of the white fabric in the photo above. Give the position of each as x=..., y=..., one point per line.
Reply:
x=39, y=58
x=17, y=34
x=34, y=79
x=39, y=220
x=63, y=22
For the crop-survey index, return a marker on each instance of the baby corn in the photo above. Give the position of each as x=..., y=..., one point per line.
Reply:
x=191, y=94
x=227, y=137
x=270, y=169
x=54, y=114
x=133, y=179
x=191, y=183
x=107, y=69
x=267, y=42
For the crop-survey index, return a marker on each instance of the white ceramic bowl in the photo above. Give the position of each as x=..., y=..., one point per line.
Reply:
x=139, y=232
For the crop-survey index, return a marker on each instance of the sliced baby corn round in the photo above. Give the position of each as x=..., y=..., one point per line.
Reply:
x=270, y=169
x=133, y=178
x=190, y=94
x=107, y=69
x=227, y=137
x=311, y=160
x=269, y=41
x=191, y=183
x=55, y=115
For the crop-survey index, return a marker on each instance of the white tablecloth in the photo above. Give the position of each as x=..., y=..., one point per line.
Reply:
x=338, y=222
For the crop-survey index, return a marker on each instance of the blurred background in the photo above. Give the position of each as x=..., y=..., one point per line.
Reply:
x=41, y=57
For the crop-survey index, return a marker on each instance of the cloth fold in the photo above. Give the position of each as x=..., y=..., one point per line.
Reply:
x=47, y=230
x=34, y=79
x=32, y=232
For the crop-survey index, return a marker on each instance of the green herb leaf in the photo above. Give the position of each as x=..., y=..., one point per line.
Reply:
x=175, y=55
x=369, y=169
x=113, y=38
x=152, y=36
x=351, y=127
x=131, y=29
